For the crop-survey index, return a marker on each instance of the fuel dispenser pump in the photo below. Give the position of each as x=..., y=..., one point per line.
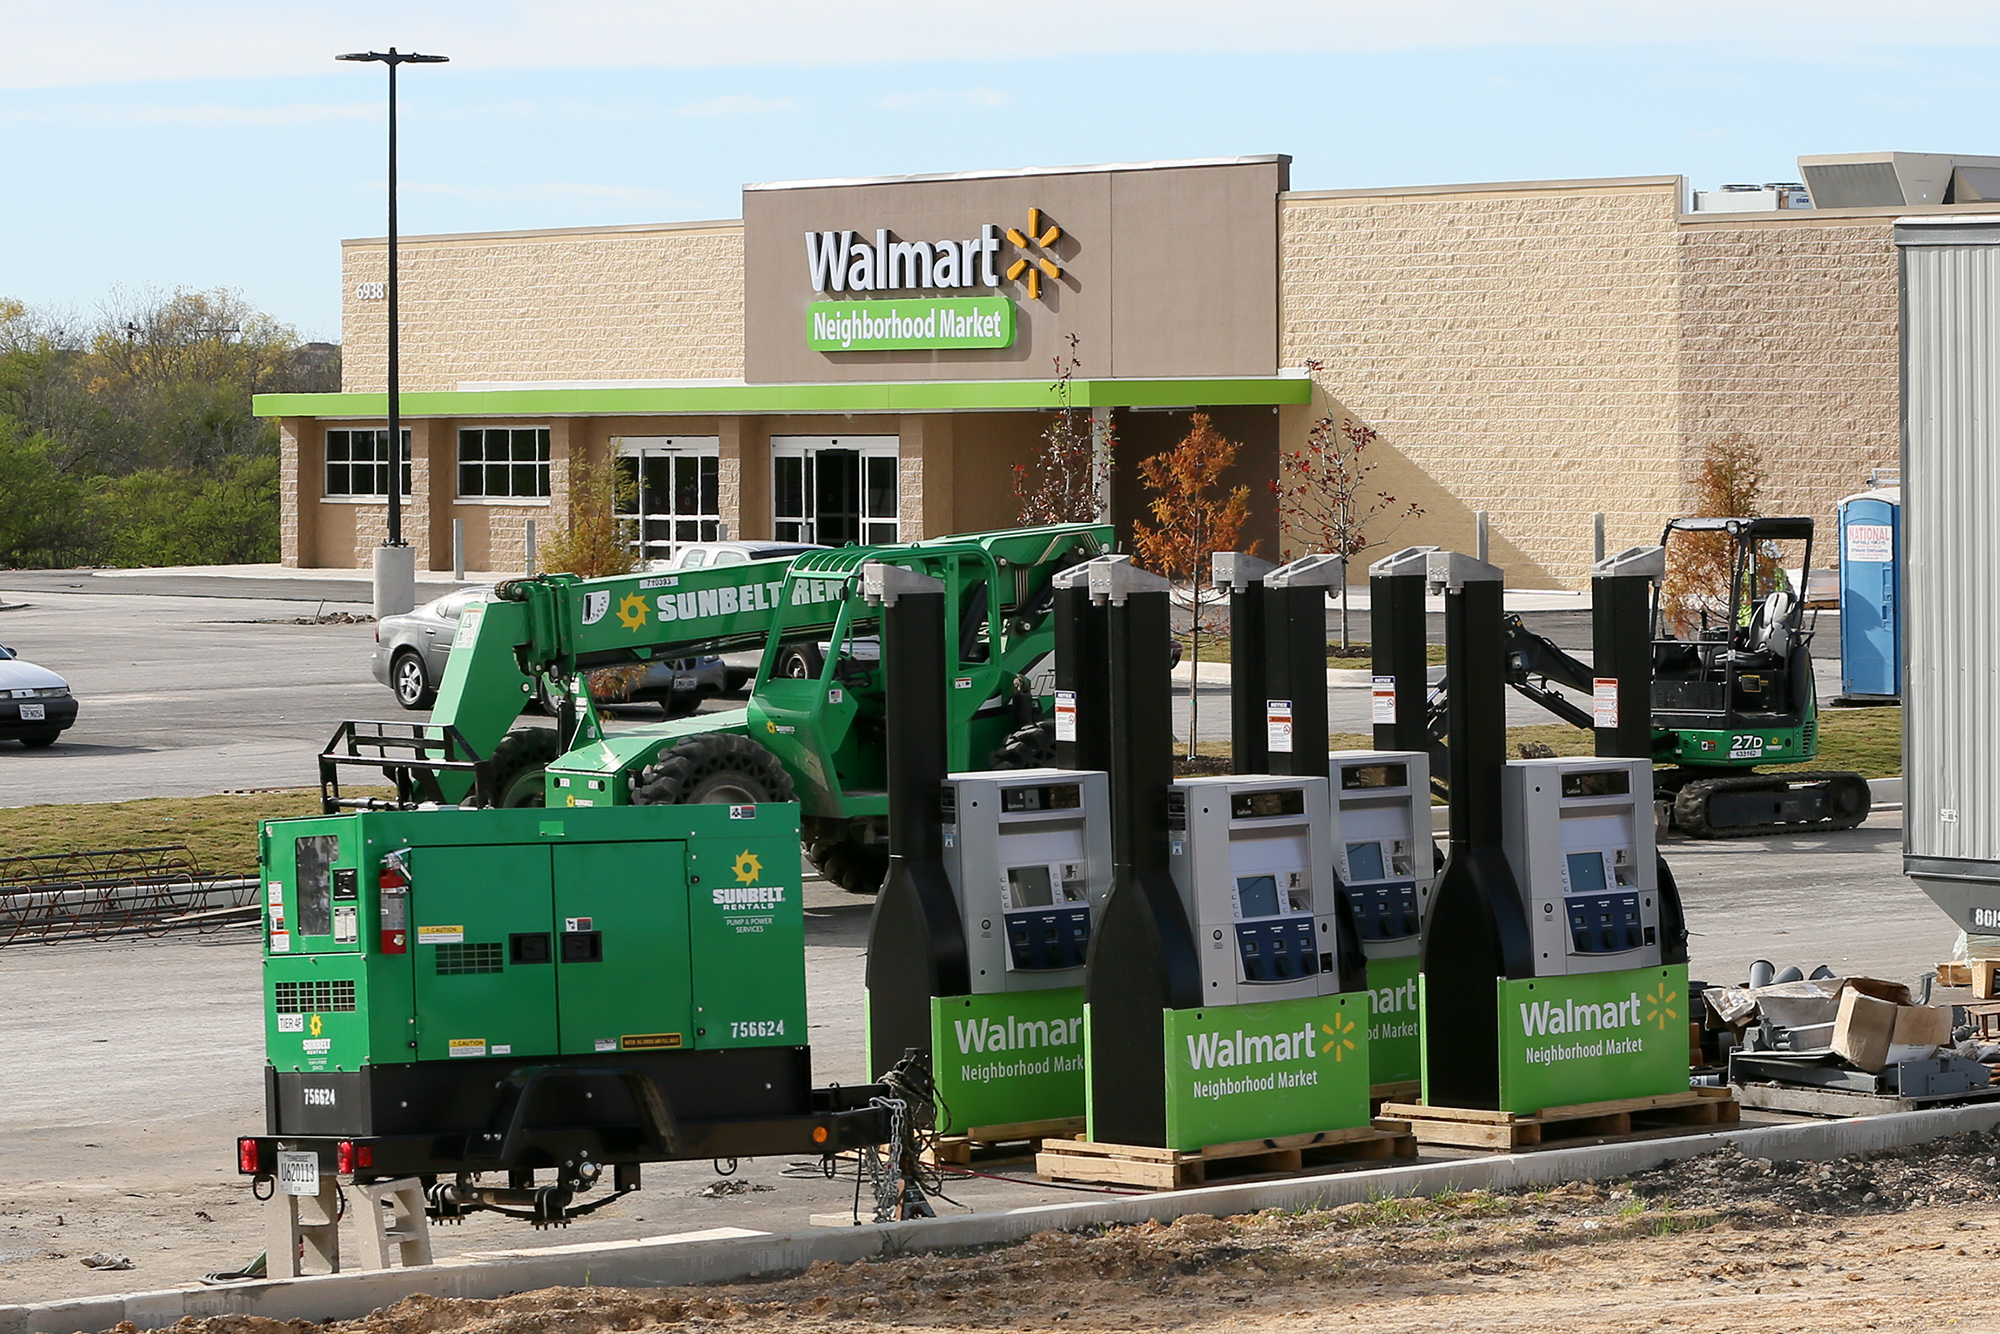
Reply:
x=1549, y=977
x=1222, y=993
x=977, y=944
x=1028, y=855
x=1252, y=858
x=1384, y=863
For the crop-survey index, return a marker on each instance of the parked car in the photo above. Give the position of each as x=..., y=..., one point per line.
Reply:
x=696, y=555
x=35, y=703
x=411, y=649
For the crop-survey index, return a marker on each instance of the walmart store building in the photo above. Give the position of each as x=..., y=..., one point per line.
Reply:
x=867, y=360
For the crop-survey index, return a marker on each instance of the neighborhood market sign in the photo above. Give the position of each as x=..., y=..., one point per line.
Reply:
x=842, y=261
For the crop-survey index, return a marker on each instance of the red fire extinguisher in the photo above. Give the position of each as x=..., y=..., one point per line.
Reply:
x=394, y=884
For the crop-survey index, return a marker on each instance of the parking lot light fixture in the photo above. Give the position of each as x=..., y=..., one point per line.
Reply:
x=393, y=58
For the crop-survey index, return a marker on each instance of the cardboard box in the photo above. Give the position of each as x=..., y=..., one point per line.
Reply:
x=1870, y=1033
x=1985, y=978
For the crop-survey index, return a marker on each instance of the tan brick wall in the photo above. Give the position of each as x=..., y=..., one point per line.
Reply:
x=1515, y=346
x=618, y=304
x=1788, y=337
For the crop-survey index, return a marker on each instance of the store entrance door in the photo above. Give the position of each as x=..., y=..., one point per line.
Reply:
x=834, y=491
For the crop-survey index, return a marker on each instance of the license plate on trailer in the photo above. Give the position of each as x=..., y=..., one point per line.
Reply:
x=686, y=683
x=298, y=1173
x=34, y=713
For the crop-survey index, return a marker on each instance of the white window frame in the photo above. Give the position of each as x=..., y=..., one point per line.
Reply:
x=676, y=529
x=483, y=497
x=875, y=529
x=351, y=496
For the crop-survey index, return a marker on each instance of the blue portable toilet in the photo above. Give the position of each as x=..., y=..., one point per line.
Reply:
x=1871, y=597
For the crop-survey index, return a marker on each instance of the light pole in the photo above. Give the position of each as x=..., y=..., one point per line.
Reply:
x=395, y=561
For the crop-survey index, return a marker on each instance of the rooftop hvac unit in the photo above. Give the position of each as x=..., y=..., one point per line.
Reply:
x=1899, y=180
x=1766, y=198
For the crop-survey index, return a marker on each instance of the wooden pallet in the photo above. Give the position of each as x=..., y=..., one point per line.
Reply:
x=1405, y=1091
x=1622, y=1118
x=1172, y=1169
x=1013, y=1143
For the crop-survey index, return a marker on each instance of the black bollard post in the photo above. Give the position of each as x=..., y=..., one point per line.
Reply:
x=1295, y=662
x=1241, y=576
x=1476, y=931
x=1142, y=954
x=1399, y=634
x=916, y=942
x=1622, y=588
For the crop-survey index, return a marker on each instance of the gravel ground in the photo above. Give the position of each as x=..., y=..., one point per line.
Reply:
x=1902, y=1241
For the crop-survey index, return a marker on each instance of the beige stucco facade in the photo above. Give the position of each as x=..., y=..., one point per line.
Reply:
x=1538, y=351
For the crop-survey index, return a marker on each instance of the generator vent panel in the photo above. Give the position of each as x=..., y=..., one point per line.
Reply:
x=481, y=958
x=313, y=997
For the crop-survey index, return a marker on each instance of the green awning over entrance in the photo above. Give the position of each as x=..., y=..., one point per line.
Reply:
x=720, y=399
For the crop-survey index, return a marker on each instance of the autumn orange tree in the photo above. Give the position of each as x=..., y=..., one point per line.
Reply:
x=1730, y=484
x=1195, y=516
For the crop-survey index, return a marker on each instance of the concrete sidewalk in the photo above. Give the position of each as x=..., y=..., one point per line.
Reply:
x=275, y=571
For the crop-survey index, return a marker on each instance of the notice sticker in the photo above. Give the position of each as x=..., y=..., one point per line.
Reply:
x=281, y=942
x=1868, y=541
x=440, y=935
x=1382, y=700
x=346, y=928
x=1065, y=715
x=274, y=894
x=466, y=1047
x=1278, y=725
x=291, y=1023
x=1604, y=701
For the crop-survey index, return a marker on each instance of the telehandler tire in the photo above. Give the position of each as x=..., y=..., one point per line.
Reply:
x=717, y=768
x=1030, y=747
x=518, y=762
x=838, y=851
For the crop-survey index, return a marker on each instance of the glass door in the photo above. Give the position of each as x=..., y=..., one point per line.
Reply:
x=672, y=492
x=834, y=490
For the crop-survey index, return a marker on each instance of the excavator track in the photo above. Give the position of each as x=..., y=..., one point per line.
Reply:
x=1747, y=805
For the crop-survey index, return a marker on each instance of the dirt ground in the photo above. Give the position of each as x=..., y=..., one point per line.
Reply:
x=1902, y=1241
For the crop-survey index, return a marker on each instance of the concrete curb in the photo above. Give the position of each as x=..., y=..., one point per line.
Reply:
x=667, y=1262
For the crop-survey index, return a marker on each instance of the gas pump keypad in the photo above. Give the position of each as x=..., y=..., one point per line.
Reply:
x=1274, y=928
x=1048, y=915
x=1380, y=891
x=1603, y=916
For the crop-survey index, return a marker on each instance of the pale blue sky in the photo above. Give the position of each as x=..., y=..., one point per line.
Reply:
x=217, y=144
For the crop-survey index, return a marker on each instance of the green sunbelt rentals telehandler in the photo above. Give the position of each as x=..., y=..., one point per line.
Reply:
x=1733, y=694
x=813, y=728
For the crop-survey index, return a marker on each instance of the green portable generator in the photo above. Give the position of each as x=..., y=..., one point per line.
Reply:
x=456, y=992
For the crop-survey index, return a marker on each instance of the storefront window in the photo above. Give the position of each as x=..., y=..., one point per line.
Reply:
x=673, y=494
x=503, y=463
x=357, y=462
x=834, y=491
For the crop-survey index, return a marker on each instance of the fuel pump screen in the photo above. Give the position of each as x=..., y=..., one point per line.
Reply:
x=1257, y=895
x=1364, y=861
x=1029, y=887
x=1586, y=873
